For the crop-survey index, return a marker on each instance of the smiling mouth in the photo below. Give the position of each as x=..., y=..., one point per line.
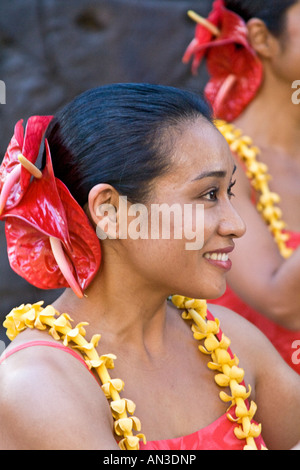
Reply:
x=217, y=256
x=220, y=258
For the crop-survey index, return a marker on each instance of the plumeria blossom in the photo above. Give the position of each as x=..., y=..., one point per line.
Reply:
x=235, y=70
x=50, y=241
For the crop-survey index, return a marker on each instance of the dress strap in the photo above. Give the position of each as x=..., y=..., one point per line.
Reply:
x=49, y=344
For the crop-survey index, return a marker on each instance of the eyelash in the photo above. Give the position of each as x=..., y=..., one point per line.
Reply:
x=216, y=190
x=230, y=193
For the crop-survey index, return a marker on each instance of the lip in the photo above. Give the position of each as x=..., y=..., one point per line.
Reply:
x=226, y=250
x=224, y=265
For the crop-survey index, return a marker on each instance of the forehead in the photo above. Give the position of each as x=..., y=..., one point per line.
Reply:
x=201, y=148
x=292, y=19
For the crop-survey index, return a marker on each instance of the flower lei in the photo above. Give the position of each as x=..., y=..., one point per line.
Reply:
x=258, y=175
x=60, y=328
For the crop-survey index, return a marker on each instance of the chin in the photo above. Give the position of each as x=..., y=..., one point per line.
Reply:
x=204, y=292
x=217, y=295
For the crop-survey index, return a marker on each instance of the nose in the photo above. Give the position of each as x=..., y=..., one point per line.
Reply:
x=231, y=223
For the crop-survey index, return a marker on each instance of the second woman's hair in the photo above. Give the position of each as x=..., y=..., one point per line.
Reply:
x=272, y=12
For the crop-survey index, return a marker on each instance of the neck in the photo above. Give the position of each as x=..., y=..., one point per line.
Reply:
x=272, y=120
x=123, y=307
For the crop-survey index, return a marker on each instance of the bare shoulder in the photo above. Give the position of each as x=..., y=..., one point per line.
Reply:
x=49, y=400
x=276, y=386
x=247, y=341
x=240, y=330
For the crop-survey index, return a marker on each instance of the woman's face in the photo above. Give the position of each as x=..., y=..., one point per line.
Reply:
x=191, y=256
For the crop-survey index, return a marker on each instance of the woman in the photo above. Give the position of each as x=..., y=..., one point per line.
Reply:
x=152, y=145
x=253, y=58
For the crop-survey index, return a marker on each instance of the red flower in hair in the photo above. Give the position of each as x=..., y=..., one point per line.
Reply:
x=50, y=241
x=236, y=71
x=14, y=178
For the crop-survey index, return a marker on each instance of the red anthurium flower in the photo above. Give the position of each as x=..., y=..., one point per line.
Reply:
x=14, y=177
x=49, y=238
x=236, y=71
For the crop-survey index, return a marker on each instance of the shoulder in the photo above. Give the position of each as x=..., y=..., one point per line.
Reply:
x=248, y=343
x=49, y=400
x=276, y=385
x=236, y=326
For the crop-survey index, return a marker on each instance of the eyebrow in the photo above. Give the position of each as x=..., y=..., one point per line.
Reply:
x=213, y=174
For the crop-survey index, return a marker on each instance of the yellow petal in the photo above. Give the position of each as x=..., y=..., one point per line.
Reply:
x=132, y=443
x=211, y=343
x=222, y=380
x=249, y=447
x=95, y=340
x=223, y=357
x=246, y=425
x=81, y=329
x=130, y=405
x=239, y=433
x=123, y=426
x=54, y=334
x=178, y=301
x=214, y=366
x=118, y=406
x=237, y=373
x=136, y=423
x=203, y=350
x=224, y=397
x=39, y=325
x=108, y=360
x=142, y=437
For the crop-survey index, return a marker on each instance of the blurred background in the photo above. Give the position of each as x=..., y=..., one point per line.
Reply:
x=52, y=50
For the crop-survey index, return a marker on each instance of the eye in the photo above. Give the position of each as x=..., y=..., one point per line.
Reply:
x=211, y=195
x=229, y=192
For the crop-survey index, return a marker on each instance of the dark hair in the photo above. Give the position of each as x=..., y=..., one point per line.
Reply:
x=121, y=135
x=272, y=12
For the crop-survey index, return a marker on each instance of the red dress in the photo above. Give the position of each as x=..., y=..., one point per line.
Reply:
x=286, y=342
x=218, y=436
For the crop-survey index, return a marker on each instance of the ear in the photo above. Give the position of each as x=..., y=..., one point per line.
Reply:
x=103, y=210
x=263, y=42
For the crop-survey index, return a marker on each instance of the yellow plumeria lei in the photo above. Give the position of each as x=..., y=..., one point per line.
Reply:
x=60, y=328
x=230, y=374
x=257, y=173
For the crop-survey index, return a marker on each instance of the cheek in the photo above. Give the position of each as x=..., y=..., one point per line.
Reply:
x=287, y=64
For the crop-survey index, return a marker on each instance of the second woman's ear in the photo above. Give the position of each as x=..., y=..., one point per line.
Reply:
x=263, y=42
x=103, y=208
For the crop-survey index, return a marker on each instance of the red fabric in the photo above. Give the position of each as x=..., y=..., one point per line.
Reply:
x=281, y=338
x=30, y=344
x=218, y=436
